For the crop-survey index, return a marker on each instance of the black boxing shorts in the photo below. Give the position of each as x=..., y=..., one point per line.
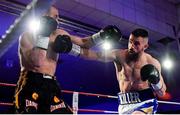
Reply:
x=39, y=93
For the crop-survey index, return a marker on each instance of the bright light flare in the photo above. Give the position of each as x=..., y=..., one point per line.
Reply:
x=168, y=63
x=106, y=45
x=34, y=25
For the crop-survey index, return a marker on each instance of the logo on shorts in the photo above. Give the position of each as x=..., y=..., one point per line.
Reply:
x=30, y=103
x=35, y=96
x=126, y=98
x=56, y=100
x=54, y=107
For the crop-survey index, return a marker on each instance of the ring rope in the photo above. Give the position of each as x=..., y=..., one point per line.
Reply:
x=68, y=91
x=81, y=110
x=6, y=104
x=169, y=102
x=7, y=84
x=95, y=110
x=92, y=94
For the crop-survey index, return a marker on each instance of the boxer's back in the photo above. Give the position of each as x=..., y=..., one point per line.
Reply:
x=35, y=59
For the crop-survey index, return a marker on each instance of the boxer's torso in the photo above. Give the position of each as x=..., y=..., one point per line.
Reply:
x=128, y=73
x=44, y=60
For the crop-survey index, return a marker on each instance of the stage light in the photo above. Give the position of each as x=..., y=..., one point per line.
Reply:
x=168, y=63
x=34, y=25
x=106, y=45
x=3, y=36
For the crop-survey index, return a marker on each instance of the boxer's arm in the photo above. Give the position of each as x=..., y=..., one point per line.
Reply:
x=105, y=56
x=162, y=90
x=110, y=33
x=85, y=42
x=63, y=44
x=25, y=45
x=30, y=53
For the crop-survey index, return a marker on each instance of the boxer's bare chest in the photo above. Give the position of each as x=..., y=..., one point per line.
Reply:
x=131, y=71
x=128, y=73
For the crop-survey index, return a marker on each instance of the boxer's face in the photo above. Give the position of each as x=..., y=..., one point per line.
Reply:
x=137, y=45
x=54, y=13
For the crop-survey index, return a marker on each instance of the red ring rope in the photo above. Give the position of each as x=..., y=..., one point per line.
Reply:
x=81, y=110
x=91, y=94
x=68, y=91
x=6, y=104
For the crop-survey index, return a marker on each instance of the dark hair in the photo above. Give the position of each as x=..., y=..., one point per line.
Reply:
x=140, y=32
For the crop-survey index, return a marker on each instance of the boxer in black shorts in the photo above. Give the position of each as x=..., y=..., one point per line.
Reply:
x=38, y=93
x=37, y=90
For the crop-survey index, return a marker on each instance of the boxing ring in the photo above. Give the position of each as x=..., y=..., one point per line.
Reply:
x=8, y=41
x=75, y=101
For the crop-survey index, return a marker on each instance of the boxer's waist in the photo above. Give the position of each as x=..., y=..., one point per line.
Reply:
x=40, y=75
x=135, y=97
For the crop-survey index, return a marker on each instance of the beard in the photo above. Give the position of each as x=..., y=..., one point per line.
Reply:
x=132, y=55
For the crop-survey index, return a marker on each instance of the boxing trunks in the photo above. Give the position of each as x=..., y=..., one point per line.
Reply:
x=39, y=93
x=143, y=101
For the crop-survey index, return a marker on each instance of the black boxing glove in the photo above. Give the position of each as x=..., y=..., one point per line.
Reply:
x=150, y=72
x=47, y=26
x=110, y=33
x=63, y=44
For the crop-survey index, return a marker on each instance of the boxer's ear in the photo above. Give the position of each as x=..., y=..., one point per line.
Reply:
x=146, y=46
